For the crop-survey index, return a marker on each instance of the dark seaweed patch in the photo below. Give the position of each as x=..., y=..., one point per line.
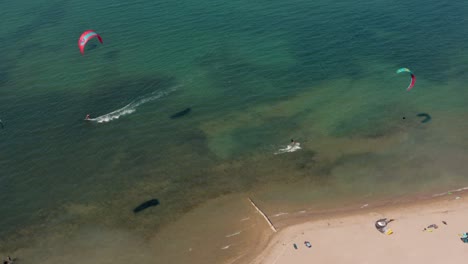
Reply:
x=241, y=80
x=369, y=122
x=17, y=38
x=50, y=16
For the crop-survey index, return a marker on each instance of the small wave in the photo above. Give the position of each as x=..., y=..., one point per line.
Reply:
x=245, y=219
x=226, y=247
x=450, y=192
x=461, y=189
x=279, y=214
x=131, y=107
x=289, y=148
x=234, y=234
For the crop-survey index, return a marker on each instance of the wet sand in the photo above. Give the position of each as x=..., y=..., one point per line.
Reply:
x=353, y=238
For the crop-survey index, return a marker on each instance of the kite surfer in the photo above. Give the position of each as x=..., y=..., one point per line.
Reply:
x=293, y=143
x=87, y=117
x=293, y=146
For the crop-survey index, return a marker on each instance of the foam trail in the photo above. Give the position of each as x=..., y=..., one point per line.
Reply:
x=279, y=214
x=451, y=191
x=131, y=107
x=234, y=234
x=289, y=148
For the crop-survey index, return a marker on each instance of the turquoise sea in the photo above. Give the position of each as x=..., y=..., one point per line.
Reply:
x=254, y=74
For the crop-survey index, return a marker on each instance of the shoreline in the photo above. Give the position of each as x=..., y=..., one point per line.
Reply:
x=356, y=208
x=351, y=231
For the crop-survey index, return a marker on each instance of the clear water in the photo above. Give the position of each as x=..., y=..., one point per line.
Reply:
x=255, y=74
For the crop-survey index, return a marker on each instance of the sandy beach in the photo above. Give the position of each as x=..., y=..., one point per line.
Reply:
x=354, y=238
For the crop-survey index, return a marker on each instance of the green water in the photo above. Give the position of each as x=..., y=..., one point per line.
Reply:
x=255, y=74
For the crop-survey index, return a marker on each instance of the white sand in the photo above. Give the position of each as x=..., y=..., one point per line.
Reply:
x=354, y=238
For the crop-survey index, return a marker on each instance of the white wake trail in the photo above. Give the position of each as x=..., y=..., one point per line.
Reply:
x=131, y=107
x=289, y=148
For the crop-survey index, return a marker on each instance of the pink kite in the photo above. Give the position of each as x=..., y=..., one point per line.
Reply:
x=413, y=77
x=85, y=37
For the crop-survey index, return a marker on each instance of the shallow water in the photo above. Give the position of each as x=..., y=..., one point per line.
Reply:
x=255, y=75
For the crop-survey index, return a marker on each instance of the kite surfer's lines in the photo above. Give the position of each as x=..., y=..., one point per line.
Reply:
x=131, y=107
